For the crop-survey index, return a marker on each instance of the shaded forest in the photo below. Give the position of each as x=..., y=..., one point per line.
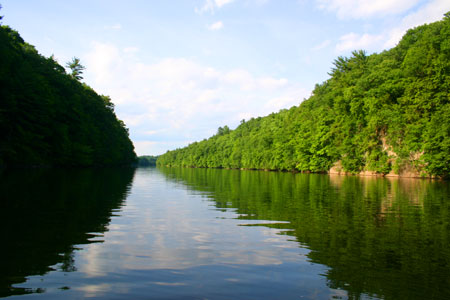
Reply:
x=385, y=113
x=48, y=117
x=147, y=161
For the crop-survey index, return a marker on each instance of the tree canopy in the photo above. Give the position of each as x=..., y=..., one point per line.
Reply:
x=386, y=112
x=147, y=161
x=47, y=117
x=76, y=67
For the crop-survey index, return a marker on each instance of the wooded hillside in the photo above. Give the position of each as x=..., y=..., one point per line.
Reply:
x=48, y=117
x=380, y=113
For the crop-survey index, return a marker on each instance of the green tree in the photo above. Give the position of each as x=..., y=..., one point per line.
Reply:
x=48, y=117
x=380, y=113
x=76, y=67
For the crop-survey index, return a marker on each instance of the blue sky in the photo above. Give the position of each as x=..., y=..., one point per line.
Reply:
x=177, y=70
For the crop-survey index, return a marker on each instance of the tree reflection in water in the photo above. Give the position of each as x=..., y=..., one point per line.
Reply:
x=379, y=237
x=45, y=213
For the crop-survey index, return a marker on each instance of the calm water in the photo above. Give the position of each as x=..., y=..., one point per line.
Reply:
x=221, y=234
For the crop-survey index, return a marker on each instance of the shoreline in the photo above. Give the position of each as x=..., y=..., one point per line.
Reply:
x=332, y=171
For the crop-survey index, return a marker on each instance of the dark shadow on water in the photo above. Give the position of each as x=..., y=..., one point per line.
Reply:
x=45, y=213
x=381, y=238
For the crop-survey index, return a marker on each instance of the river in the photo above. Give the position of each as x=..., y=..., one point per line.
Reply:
x=180, y=233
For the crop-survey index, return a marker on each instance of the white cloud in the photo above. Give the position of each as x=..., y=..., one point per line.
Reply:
x=322, y=45
x=211, y=5
x=353, y=41
x=285, y=98
x=207, y=7
x=103, y=57
x=366, y=8
x=427, y=13
x=177, y=100
x=216, y=26
x=144, y=147
x=431, y=12
x=221, y=3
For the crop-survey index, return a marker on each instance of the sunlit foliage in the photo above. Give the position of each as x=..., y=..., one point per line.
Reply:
x=381, y=112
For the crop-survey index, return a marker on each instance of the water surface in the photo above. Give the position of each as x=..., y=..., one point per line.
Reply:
x=173, y=233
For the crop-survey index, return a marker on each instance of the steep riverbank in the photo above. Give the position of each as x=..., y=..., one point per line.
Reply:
x=380, y=114
x=49, y=118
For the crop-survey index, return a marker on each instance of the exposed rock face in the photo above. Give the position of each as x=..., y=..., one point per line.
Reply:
x=337, y=169
x=406, y=171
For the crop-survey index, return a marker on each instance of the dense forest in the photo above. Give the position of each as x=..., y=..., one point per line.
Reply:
x=381, y=113
x=48, y=117
x=147, y=161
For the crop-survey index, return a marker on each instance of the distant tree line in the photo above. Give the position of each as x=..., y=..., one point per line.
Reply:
x=48, y=117
x=386, y=112
x=147, y=161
